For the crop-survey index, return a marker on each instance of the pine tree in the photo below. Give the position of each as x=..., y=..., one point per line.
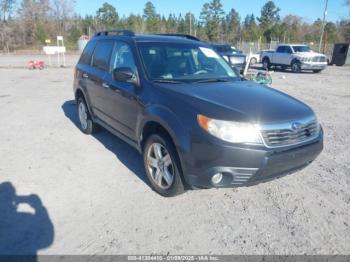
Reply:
x=269, y=15
x=107, y=16
x=152, y=18
x=212, y=18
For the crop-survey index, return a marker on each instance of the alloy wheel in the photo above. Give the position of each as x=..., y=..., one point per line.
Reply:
x=160, y=166
x=83, y=116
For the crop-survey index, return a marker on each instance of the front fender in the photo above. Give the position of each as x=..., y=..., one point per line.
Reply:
x=168, y=120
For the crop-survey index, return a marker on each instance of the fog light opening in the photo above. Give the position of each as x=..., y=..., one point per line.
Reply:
x=217, y=178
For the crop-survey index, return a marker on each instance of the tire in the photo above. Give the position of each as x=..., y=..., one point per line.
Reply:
x=317, y=71
x=296, y=67
x=253, y=61
x=87, y=126
x=163, y=168
x=266, y=63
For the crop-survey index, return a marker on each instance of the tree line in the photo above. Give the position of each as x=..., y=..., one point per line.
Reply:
x=34, y=21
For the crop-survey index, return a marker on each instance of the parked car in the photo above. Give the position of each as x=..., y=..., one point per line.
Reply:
x=234, y=57
x=197, y=124
x=254, y=58
x=297, y=57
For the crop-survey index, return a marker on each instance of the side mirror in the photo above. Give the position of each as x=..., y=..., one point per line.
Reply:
x=124, y=74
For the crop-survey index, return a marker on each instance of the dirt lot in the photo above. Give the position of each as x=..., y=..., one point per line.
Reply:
x=97, y=200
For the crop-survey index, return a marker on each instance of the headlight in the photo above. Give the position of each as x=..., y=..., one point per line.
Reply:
x=233, y=132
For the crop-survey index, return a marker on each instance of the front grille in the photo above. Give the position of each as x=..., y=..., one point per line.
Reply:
x=288, y=136
x=319, y=59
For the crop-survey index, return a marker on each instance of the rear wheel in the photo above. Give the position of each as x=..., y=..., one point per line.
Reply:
x=266, y=64
x=86, y=124
x=296, y=67
x=253, y=61
x=316, y=71
x=162, y=166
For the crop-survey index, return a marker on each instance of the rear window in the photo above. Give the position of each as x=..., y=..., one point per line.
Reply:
x=102, y=55
x=87, y=53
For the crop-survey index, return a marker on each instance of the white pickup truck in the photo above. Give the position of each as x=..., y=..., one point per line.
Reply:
x=297, y=57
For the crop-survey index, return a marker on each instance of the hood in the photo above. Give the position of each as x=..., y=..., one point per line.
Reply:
x=241, y=101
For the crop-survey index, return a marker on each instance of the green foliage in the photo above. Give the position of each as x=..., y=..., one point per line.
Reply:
x=37, y=20
x=74, y=33
x=331, y=32
x=232, y=26
x=212, y=18
x=269, y=15
x=344, y=31
x=152, y=18
x=107, y=16
x=40, y=34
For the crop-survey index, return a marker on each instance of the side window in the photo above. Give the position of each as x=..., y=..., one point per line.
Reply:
x=288, y=50
x=280, y=49
x=102, y=55
x=87, y=53
x=123, y=57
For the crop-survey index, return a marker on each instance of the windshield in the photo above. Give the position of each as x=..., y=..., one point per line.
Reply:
x=301, y=48
x=173, y=63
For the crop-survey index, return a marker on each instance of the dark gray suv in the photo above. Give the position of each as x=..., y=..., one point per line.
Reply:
x=197, y=124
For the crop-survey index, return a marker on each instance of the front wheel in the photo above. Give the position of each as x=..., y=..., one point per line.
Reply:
x=162, y=166
x=296, y=67
x=316, y=71
x=253, y=61
x=266, y=64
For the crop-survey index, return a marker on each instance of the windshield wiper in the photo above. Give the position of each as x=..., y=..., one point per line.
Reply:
x=212, y=80
x=167, y=81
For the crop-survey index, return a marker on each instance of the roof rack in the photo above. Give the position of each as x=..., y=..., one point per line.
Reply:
x=190, y=37
x=115, y=32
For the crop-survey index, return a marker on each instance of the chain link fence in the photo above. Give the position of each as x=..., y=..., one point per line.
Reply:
x=255, y=47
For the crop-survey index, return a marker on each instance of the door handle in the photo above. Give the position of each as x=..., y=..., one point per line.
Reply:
x=105, y=85
x=85, y=75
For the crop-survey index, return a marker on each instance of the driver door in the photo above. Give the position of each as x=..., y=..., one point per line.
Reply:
x=123, y=104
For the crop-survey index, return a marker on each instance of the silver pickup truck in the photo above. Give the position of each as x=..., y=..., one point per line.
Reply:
x=297, y=57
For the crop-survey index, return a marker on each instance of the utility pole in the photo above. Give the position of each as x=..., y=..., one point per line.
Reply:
x=323, y=25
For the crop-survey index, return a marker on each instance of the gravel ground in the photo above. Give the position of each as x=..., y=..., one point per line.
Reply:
x=96, y=200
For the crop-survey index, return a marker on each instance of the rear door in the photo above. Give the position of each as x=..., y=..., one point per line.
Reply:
x=96, y=74
x=83, y=68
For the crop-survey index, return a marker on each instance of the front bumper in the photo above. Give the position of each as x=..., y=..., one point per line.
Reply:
x=313, y=65
x=244, y=166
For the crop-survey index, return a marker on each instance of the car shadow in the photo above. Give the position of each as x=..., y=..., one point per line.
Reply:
x=128, y=155
x=25, y=225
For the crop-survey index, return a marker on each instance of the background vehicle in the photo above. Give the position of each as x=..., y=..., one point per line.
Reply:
x=235, y=58
x=254, y=58
x=297, y=57
x=190, y=115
